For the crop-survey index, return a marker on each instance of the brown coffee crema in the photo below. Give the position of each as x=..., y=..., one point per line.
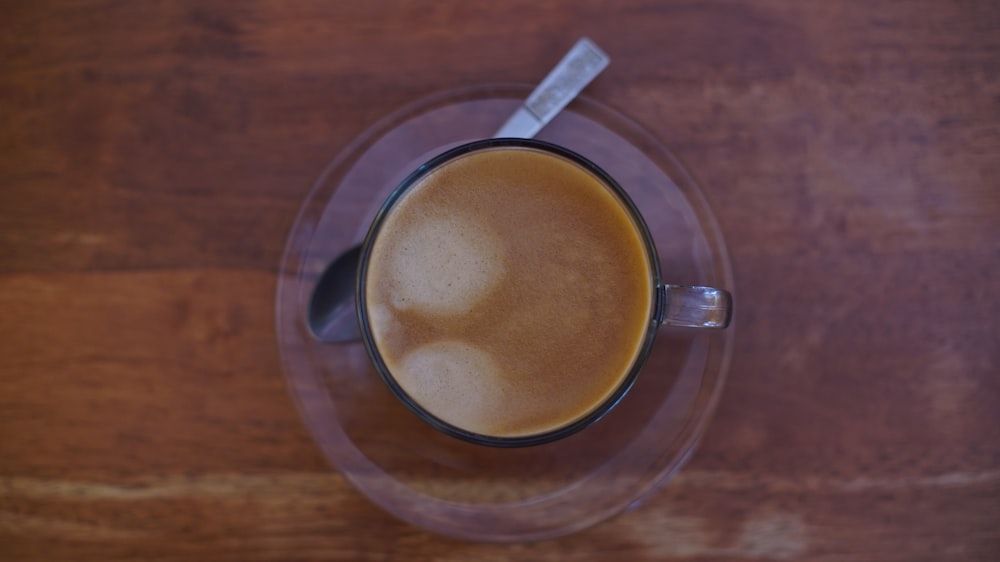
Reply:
x=509, y=292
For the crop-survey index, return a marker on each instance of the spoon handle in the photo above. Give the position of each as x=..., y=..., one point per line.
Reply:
x=580, y=65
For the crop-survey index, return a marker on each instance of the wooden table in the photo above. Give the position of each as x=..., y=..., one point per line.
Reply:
x=153, y=156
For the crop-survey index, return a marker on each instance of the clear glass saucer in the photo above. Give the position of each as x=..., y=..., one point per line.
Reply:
x=470, y=491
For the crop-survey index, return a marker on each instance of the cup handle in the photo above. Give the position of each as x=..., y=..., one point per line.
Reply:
x=694, y=307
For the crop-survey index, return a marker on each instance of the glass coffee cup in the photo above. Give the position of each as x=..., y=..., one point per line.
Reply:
x=509, y=293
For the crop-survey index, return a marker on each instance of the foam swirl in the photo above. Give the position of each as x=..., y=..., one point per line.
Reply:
x=445, y=265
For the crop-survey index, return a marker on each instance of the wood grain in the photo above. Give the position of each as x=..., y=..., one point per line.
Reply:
x=153, y=156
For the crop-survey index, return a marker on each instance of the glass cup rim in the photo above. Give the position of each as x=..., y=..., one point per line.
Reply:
x=626, y=383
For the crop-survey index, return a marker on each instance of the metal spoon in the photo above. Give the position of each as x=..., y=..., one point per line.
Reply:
x=331, y=316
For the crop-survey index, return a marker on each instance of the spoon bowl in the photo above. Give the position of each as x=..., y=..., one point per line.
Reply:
x=331, y=307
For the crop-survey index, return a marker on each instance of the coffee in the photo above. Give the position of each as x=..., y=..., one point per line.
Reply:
x=509, y=292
